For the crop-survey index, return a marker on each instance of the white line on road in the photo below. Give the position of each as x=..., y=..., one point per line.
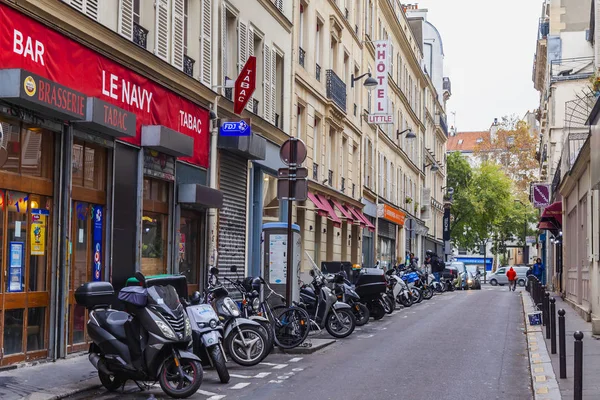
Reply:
x=268, y=364
x=283, y=377
x=275, y=381
x=240, y=376
x=298, y=369
x=216, y=397
x=280, y=366
x=205, y=393
x=365, y=336
x=262, y=375
x=240, y=385
x=296, y=359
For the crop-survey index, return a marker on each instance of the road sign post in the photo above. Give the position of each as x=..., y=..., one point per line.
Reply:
x=293, y=154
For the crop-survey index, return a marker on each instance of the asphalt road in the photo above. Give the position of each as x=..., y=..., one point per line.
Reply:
x=460, y=345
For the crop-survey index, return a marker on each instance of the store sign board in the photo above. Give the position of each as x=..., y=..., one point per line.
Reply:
x=29, y=45
x=391, y=214
x=380, y=114
x=109, y=119
x=97, y=221
x=39, y=218
x=540, y=194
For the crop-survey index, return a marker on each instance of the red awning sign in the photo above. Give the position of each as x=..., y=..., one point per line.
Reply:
x=540, y=195
x=245, y=85
x=554, y=211
x=345, y=213
x=337, y=222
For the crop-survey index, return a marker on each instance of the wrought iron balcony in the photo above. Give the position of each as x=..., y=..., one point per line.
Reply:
x=336, y=89
x=316, y=171
x=444, y=125
x=229, y=93
x=188, y=65
x=330, y=178
x=343, y=185
x=301, y=56
x=318, y=72
x=140, y=35
x=255, y=106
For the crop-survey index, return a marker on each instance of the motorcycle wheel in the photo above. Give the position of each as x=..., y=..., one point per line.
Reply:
x=376, y=310
x=362, y=314
x=417, y=295
x=342, y=327
x=427, y=293
x=253, y=352
x=218, y=360
x=390, y=305
x=110, y=382
x=177, y=386
x=406, y=302
x=267, y=331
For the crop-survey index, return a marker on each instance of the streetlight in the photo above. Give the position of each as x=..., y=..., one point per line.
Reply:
x=409, y=133
x=369, y=83
x=433, y=166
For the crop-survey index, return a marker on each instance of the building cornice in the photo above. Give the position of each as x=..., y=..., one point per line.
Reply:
x=277, y=15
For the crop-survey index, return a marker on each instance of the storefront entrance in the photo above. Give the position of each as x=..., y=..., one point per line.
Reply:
x=190, y=255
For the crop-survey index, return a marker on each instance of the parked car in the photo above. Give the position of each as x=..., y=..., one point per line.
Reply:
x=452, y=270
x=499, y=277
x=473, y=281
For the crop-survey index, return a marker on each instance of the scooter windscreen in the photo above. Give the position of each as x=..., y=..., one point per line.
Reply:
x=164, y=296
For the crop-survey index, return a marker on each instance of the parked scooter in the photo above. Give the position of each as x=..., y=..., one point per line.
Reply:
x=371, y=286
x=245, y=341
x=399, y=289
x=148, y=343
x=411, y=279
x=344, y=292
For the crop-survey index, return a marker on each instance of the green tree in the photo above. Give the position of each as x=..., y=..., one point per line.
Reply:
x=459, y=178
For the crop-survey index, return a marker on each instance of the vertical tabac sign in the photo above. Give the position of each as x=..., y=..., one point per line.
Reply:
x=381, y=114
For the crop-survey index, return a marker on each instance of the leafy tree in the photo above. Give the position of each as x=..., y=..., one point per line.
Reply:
x=512, y=146
x=459, y=178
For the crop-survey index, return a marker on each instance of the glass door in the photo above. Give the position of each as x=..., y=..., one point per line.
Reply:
x=24, y=253
x=189, y=248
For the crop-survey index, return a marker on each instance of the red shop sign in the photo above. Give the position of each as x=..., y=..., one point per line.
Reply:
x=28, y=44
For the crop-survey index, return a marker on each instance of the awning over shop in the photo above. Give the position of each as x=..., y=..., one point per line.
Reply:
x=199, y=195
x=361, y=217
x=168, y=141
x=553, y=211
x=347, y=214
x=321, y=210
x=546, y=226
x=337, y=222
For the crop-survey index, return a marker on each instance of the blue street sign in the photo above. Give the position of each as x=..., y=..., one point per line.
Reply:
x=240, y=128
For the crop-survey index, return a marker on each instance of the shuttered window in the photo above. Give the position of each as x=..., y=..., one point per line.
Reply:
x=269, y=84
x=224, y=64
x=205, y=43
x=177, y=33
x=88, y=7
x=162, y=29
x=125, y=18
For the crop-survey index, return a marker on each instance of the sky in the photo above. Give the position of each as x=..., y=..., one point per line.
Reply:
x=489, y=48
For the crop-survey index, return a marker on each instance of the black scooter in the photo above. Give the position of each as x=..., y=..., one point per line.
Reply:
x=345, y=294
x=148, y=343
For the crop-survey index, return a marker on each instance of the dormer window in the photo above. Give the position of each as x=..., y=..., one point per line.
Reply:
x=479, y=140
x=460, y=141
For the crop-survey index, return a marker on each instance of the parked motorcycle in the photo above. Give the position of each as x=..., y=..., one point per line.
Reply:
x=245, y=341
x=371, y=286
x=324, y=308
x=147, y=343
x=411, y=279
x=398, y=288
x=344, y=292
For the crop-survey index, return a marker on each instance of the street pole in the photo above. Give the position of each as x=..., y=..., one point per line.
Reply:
x=212, y=212
x=376, y=177
x=290, y=234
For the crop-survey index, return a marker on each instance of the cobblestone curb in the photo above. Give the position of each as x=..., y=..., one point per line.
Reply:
x=543, y=379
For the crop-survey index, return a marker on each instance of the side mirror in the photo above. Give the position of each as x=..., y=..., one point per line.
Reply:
x=140, y=277
x=214, y=271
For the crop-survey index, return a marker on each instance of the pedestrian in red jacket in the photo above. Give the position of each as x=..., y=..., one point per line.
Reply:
x=511, y=274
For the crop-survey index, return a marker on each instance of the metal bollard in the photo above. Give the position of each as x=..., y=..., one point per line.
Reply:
x=553, y=325
x=578, y=367
x=543, y=308
x=547, y=310
x=562, y=346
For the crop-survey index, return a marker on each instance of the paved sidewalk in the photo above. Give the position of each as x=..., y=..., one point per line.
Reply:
x=49, y=380
x=591, y=354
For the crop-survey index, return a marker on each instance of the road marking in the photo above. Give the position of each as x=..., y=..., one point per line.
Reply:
x=540, y=378
x=268, y=364
x=283, y=377
x=261, y=375
x=538, y=369
x=365, y=336
x=205, y=393
x=240, y=376
x=275, y=381
x=298, y=369
x=240, y=385
x=280, y=366
x=405, y=316
x=216, y=397
x=295, y=359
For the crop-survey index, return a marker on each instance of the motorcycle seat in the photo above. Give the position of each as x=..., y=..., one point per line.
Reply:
x=114, y=322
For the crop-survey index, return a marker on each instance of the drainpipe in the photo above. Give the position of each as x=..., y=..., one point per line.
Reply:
x=212, y=212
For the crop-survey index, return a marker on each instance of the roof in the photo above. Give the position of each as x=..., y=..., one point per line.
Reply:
x=466, y=141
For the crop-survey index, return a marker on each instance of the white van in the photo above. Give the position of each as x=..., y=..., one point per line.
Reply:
x=499, y=277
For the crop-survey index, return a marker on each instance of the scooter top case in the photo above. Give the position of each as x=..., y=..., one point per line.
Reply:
x=370, y=282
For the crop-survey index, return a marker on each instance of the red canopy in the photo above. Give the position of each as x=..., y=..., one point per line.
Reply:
x=359, y=214
x=546, y=226
x=554, y=210
x=321, y=210
x=337, y=222
x=347, y=214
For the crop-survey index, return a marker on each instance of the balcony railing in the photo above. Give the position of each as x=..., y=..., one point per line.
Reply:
x=255, y=106
x=316, y=171
x=229, y=93
x=336, y=90
x=567, y=69
x=318, y=72
x=343, y=185
x=301, y=56
x=140, y=35
x=330, y=178
x=188, y=65
x=444, y=125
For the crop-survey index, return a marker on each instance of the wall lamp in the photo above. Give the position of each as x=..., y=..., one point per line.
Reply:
x=433, y=166
x=369, y=83
x=409, y=133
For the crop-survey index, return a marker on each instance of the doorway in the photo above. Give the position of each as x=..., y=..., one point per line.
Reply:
x=190, y=254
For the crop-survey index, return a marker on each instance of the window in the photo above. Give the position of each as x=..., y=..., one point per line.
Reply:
x=367, y=163
x=479, y=140
x=136, y=12
x=344, y=158
x=29, y=149
x=301, y=28
x=278, y=90
x=88, y=165
x=331, y=150
x=510, y=140
x=333, y=55
x=185, y=26
x=460, y=141
x=300, y=124
x=316, y=148
x=88, y=7
x=355, y=168
x=154, y=226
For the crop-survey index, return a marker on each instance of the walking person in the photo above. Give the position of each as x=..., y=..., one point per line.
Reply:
x=511, y=274
x=538, y=269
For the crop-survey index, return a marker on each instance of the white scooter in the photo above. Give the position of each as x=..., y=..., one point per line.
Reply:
x=400, y=289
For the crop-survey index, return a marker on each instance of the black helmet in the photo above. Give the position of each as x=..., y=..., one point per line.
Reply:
x=429, y=253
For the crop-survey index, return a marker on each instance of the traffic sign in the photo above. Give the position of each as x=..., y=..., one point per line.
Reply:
x=293, y=152
x=287, y=173
x=235, y=128
x=540, y=195
x=244, y=85
x=298, y=190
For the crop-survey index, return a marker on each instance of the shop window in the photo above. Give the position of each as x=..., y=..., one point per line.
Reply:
x=35, y=328
x=17, y=234
x=189, y=260
x=154, y=233
x=77, y=312
x=156, y=190
x=270, y=202
x=38, y=251
x=13, y=331
x=29, y=149
x=88, y=165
